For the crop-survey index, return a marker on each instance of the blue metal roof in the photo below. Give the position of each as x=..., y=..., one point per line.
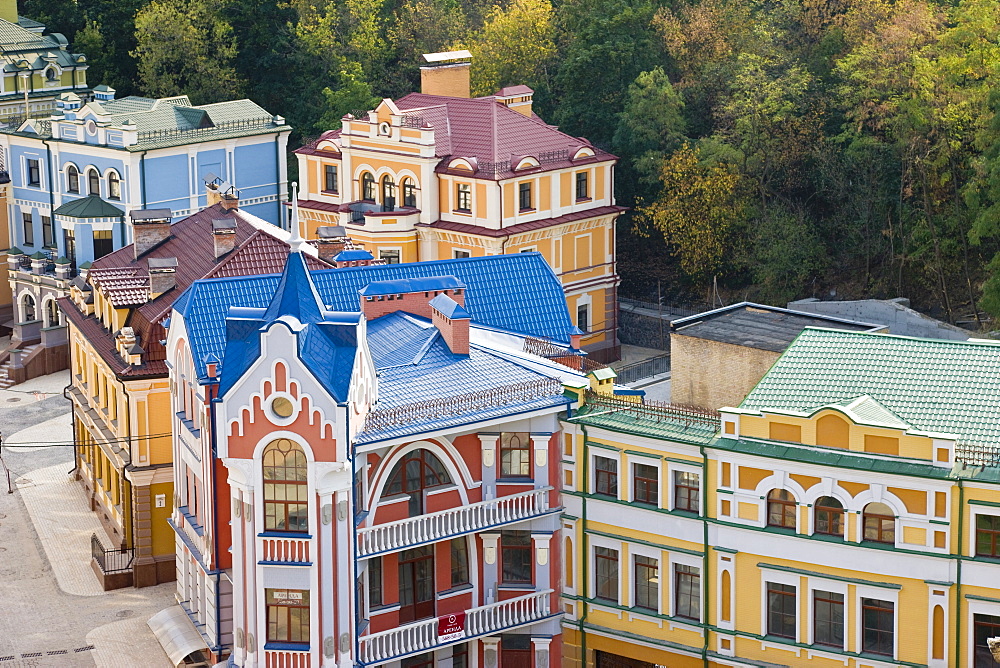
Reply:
x=449, y=308
x=405, y=285
x=352, y=255
x=517, y=293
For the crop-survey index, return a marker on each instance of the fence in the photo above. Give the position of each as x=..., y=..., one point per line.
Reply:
x=654, y=366
x=111, y=561
x=226, y=126
x=977, y=454
x=653, y=409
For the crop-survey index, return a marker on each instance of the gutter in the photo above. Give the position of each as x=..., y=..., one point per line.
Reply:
x=213, y=387
x=72, y=417
x=142, y=177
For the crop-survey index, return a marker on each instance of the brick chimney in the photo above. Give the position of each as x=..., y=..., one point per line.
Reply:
x=223, y=235
x=518, y=98
x=452, y=320
x=162, y=275
x=150, y=227
x=330, y=241
x=411, y=295
x=446, y=74
x=230, y=201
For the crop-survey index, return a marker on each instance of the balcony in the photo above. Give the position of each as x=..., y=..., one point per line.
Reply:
x=442, y=525
x=281, y=550
x=422, y=636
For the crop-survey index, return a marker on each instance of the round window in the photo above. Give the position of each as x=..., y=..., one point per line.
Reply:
x=282, y=407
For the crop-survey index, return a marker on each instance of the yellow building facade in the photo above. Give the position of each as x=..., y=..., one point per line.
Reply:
x=437, y=175
x=846, y=514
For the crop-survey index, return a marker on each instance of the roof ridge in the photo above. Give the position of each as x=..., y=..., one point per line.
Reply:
x=889, y=335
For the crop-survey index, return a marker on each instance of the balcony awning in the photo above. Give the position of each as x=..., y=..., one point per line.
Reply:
x=176, y=634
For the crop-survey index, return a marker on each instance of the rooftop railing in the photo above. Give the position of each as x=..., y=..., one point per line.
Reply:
x=653, y=410
x=226, y=126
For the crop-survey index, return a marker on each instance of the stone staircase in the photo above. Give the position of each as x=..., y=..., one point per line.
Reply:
x=6, y=381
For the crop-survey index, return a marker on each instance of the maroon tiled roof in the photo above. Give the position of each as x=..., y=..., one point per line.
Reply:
x=515, y=90
x=524, y=227
x=119, y=275
x=323, y=206
x=310, y=148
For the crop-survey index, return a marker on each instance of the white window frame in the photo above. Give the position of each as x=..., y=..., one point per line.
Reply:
x=651, y=553
x=391, y=248
x=677, y=558
x=648, y=460
x=814, y=585
x=976, y=512
x=455, y=251
x=782, y=578
x=672, y=484
x=609, y=544
x=606, y=454
x=882, y=594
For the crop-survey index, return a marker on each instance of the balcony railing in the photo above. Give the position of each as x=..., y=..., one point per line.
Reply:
x=110, y=561
x=422, y=636
x=444, y=524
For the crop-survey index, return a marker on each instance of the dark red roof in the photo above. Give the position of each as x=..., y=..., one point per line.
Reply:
x=310, y=148
x=191, y=242
x=525, y=227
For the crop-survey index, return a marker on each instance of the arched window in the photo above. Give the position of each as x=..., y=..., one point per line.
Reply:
x=72, y=179
x=781, y=509
x=28, y=309
x=409, y=193
x=285, y=487
x=829, y=516
x=415, y=473
x=388, y=193
x=51, y=74
x=93, y=182
x=368, y=187
x=114, y=186
x=879, y=523
x=51, y=313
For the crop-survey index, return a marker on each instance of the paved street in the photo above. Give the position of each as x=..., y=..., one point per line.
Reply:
x=53, y=610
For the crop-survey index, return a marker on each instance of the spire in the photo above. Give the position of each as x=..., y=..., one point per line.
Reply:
x=295, y=241
x=296, y=295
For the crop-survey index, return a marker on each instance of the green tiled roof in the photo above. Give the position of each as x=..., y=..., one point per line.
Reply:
x=90, y=206
x=651, y=422
x=939, y=386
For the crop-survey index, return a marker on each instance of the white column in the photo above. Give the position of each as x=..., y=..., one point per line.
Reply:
x=541, y=647
x=490, y=445
x=491, y=657
x=491, y=559
x=325, y=593
x=344, y=520
x=543, y=567
x=540, y=468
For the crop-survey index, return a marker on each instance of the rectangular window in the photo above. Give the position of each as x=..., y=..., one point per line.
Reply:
x=828, y=619
x=582, y=192
x=375, y=582
x=686, y=491
x=687, y=592
x=524, y=196
x=583, y=317
x=463, y=197
x=287, y=615
x=48, y=233
x=460, y=656
x=984, y=626
x=461, y=254
x=780, y=610
x=647, y=482
x=330, y=174
x=29, y=229
x=515, y=651
x=102, y=243
x=988, y=536
x=606, y=477
x=515, y=455
x=878, y=626
x=606, y=570
x=647, y=583
x=515, y=556
x=69, y=239
x=459, y=562
x=34, y=174
x=390, y=256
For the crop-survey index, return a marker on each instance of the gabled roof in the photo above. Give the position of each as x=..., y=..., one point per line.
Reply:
x=937, y=386
x=517, y=293
x=449, y=308
x=90, y=206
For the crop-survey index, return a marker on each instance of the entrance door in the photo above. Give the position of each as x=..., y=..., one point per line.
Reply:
x=416, y=584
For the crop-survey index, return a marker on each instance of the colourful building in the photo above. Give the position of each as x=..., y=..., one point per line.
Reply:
x=381, y=485
x=78, y=175
x=437, y=175
x=120, y=389
x=845, y=514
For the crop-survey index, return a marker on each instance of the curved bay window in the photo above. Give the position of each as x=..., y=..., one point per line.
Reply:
x=368, y=187
x=879, y=523
x=72, y=179
x=415, y=473
x=93, y=182
x=285, y=487
x=829, y=516
x=780, y=509
x=409, y=193
x=388, y=193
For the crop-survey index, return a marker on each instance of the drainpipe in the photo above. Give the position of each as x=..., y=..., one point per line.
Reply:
x=72, y=417
x=212, y=387
x=705, y=558
x=128, y=431
x=958, y=574
x=52, y=190
x=584, y=575
x=277, y=182
x=142, y=177
x=349, y=451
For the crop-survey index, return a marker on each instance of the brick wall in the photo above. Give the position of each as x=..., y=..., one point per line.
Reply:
x=713, y=375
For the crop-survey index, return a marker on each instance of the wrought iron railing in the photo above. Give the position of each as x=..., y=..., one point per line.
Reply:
x=445, y=524
x=111, y=561
x=977, y=454
x=226, y=126
x=654, y=410
x=654, y=366
x=445, y=407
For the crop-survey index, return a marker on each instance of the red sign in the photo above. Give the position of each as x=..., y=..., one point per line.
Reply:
x=451, y=627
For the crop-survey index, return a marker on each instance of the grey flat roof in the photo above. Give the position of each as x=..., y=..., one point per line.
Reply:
x=760, y=326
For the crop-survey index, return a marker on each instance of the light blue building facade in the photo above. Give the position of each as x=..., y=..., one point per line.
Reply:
x=137, y=153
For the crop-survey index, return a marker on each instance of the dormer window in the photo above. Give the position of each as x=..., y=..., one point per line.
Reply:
x=51, y=75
